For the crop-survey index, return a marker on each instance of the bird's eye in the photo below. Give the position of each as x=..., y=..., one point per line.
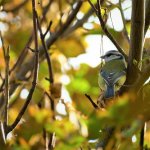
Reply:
x=108, y=55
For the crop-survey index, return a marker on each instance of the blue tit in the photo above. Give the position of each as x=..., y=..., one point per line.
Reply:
x=111, y=72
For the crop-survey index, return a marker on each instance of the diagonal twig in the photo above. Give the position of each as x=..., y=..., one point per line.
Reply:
x=92, y=102
x=103, y=25
x=45, y=48
x=23, y=53
x=28, y=65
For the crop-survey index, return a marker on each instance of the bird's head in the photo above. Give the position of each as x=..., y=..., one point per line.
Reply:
x=112, y=55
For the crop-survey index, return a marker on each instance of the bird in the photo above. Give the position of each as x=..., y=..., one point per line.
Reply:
x=111, y=72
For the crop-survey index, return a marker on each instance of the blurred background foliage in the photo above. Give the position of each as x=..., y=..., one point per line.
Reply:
x=78, y=125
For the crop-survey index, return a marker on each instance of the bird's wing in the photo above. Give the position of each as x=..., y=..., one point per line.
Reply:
x=111, y=77
x=107, y=76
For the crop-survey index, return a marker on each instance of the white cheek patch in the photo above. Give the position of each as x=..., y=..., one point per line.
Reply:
x=112, y=57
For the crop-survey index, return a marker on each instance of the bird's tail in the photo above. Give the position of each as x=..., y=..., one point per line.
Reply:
x=110, y=91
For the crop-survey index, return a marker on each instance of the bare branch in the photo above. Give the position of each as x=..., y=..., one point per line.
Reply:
x=142, y=137
x=31, y=49
x=64, y=27
x=23, y=53
x=92, y=102
x=35, y=77
x=29, y=64
x=48, y=28
x=137, y=39
x=103, y=25
x=3, y=46
x=6, y=95
x=46, y=49
x=79, y=23
x=93, y=7
x=147, y=15
x=51, y=102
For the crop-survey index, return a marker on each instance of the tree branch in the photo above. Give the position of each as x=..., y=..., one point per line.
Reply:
x=28, y=65
x=46, y=49
x=64, y=27
x=6, y=95
x=3, y=46
x=147, y=15
x=103, y=25
x=92, y=102
x=137, y=40
x=79, y=23
x=23, y=53
x=35, y=77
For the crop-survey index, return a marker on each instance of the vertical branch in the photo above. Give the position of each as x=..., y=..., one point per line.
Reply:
x=49, y=138
x=23, y=53
x=6, y=96
x=42, y=36
x=147, y=15
x=4, y=56
x=142, y=137
x=137, y=40
x=3, y=46
x=36, y=43
x=7, y=58
x=35, y=75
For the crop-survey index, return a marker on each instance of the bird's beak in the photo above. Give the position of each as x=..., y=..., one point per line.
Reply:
x=102, y=57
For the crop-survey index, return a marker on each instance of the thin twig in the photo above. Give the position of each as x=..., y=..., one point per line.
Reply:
x=35, y=77
x=142, y=137
x=1, y=77
x=46, y=49
x=49, y=138
x=147, y=16
x=92, y=102
x=64, y=27
x=28, y=65
x=4, y=56
x=93, y=7
x=23, y=53
x=124, y=22
x=2, y=86
x=52, y=103
x=48, y=28
x=109, y=35
x=31, y=49
x=3, y=46
x=60, y=12
x=79, y=23
x=6, y=96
